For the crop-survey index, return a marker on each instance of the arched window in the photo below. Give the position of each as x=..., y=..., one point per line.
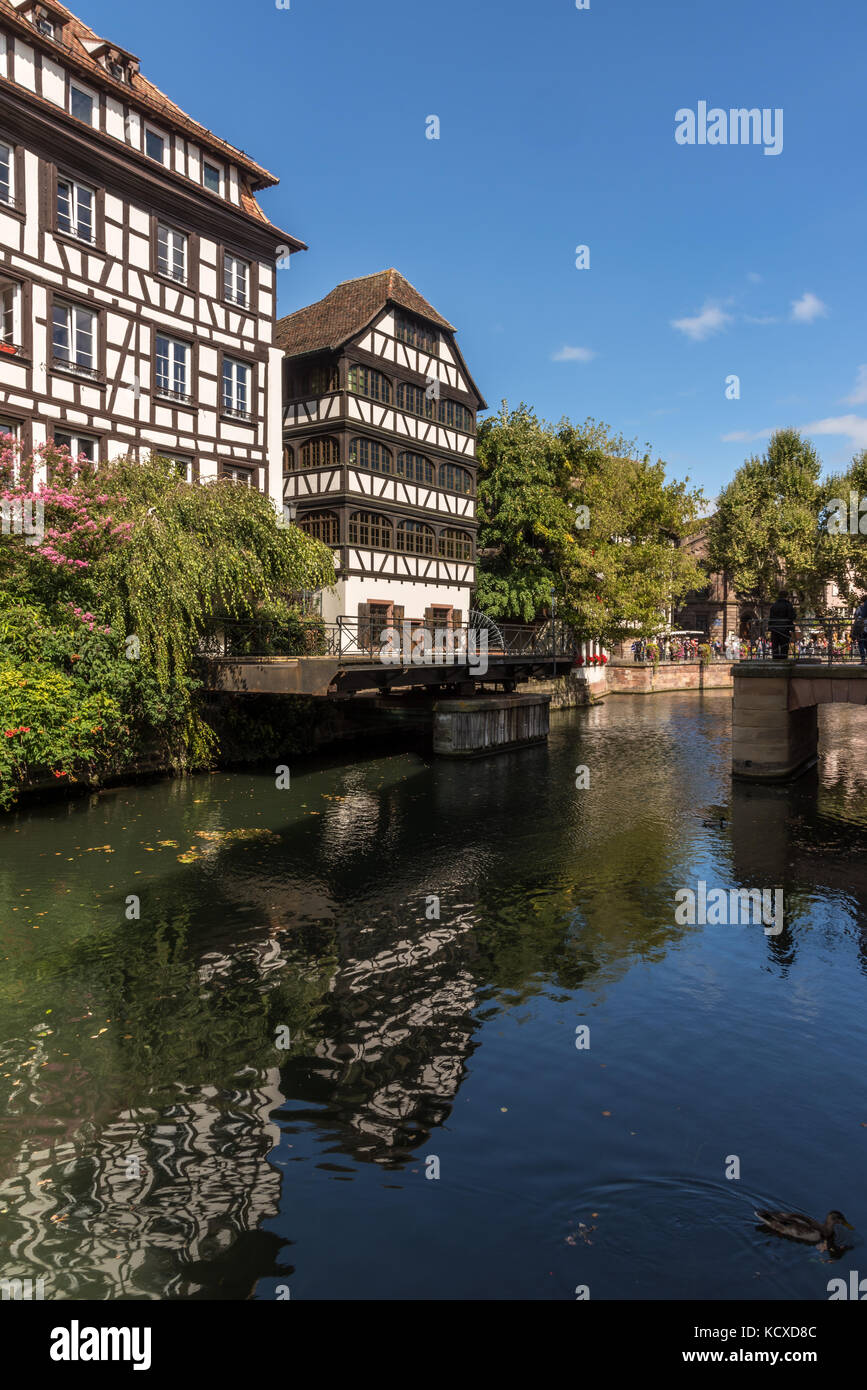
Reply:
x=415, y=468
x=288, y=459
x=455, y=545
x=415, y=400
x=320, y=453
x=365, y=381
x=325, y=526
x=415, y=538
x=370, y=529
x=454, y=414
x=455, y=477
x=369, y=453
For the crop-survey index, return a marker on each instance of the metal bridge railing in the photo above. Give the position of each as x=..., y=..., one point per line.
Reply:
x=367, y=637
x=822, y=639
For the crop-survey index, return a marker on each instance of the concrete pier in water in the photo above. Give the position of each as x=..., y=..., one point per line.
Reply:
x=489, y=724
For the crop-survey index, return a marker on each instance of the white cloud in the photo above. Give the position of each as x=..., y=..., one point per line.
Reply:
x=808, y=308
x=745, y=436
x=859, y=394
x=852, y=427
x=754, y=278
x=573, y=354
x=712, y=319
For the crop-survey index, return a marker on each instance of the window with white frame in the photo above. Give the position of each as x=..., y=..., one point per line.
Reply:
x=10, y=455
x=236, y=387
x=173, y=368
x=183, y=463
x=7, y=173
x=77, y=444
x=10, y=316
x=236, y=280
x=82, y=103
x=212, y=177
x=74, y=337
x=75, y=207
x=172, y=253
x=238, y=474
x=155, y=145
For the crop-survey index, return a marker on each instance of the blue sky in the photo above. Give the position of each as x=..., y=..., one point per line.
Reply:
x=557, y=130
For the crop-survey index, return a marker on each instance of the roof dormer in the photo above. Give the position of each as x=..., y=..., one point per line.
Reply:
x=46, y=20
x=118, y=63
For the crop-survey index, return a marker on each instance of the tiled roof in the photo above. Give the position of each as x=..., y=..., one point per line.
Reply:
x=78, y=37
x=347, y=310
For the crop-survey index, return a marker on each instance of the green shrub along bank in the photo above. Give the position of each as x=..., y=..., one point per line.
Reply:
x=106, y=604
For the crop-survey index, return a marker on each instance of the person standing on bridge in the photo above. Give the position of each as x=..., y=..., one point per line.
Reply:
x=781, y=623
x=859, y=629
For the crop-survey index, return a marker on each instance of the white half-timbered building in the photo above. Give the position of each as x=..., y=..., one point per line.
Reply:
x=379, y=428
x=137, y=269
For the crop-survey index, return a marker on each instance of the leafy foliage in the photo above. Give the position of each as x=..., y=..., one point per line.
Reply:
x=102, y=618
x=567, y=511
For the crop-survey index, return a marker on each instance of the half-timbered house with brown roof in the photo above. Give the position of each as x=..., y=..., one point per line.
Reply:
x=137, y=269
x=379, y=427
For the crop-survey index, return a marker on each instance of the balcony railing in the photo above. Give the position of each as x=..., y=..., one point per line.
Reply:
x=165, y=393
x=235, y=414
x=64, y=364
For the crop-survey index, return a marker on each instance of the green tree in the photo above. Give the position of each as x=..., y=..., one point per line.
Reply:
x=768, y=531
x=567, y=510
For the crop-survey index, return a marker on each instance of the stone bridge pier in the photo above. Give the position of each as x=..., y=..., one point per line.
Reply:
x=775, y=723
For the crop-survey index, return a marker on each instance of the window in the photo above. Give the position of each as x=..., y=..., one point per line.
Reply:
x=75, y=209
x=155, y=145
x=288, y=459
x=82, y=104
x=320, y=453
x=325, y=526
x=364, y=381
x=172, y=254
x=45, y=26
x=173, y=368
x=414, y=333
x=74, y=338
x=454, y=414
x=370, y=529
x=236, y=280
x=455, y=545
x=237, y=473
x=415, y=399
x=415, y=538
x=236, y=388
x=415, y=468
x=367, y=453
x=10, y=317
x=454, y=477
x=7, y=173
x=77, y=444
x=10, y=453
x=212, y=177
x=318, y=381
x=183, y=464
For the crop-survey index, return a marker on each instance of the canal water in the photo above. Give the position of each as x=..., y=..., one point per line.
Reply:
x=320, y=1041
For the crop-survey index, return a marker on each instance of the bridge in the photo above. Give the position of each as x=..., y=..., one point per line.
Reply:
x=353, y=655
x=454, y=666
x=775, y=725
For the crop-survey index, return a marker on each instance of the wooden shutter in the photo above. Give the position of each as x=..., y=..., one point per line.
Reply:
x=364, y=625
x=457, y=617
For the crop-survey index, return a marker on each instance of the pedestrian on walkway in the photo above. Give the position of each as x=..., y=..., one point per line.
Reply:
x=859, y=630
x=781, y=623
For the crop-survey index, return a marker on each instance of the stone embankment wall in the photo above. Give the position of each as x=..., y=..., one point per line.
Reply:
x=630, y=678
